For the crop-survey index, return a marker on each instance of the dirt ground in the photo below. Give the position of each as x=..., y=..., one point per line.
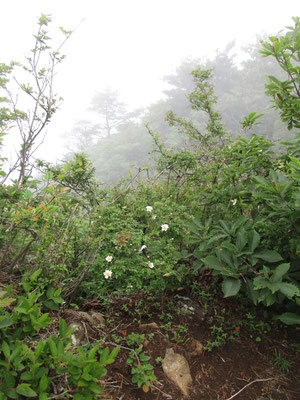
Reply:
x=244, y=357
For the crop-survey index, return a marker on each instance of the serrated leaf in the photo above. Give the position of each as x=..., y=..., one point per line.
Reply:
x=289, y=290
x=279, y=272
x=6, y=301
x=93, y=352
x=231, y=287
x=104, y=355
x=35, y=275
x=213, y=262
x=241, y=239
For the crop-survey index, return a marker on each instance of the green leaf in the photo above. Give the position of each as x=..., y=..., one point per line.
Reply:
x=104, y=355
x=62, y=328
x=289, y=318
x=260, y=283
x=231, y=286
x=93, y=352
x=95, y=388
x=25, y=390
x=5, y=349
x=252, y=293
x=213, y=262
x=12, y=394
x=35, y=275
x=26, y=376
x=53, y=347
x=9, y=379
x=268, y=255
x=39, y=349
x=241, y=239
x=44, y=382
x=253, y=239
x=6, y=301
x=114, y=352
x=279, y=272
x=4, y=323
x=289, y=290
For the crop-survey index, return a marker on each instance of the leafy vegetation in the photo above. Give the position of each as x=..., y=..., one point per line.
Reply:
x=218, y=205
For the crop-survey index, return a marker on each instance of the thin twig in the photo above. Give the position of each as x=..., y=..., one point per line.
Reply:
x=248, y=384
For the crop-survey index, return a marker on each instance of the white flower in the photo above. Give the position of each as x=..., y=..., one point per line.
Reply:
x=109, y=258
x=149, y=208
x=150, y=265
x=107, y=273
x=167, y=274
x=164, y=227
x=234, y=202
x=142, y=248
x=154, y=216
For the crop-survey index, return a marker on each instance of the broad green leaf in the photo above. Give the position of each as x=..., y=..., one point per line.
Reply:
x=25, y=390
x=4, y=323
x=241, y=239
x=289, y=318
x=253, y=240
x=53, y=347
x=289, y=290
x=62, y=328
x=268, y=255
x=93, y=352
x=279, y=272
x=44, y=382
x=39, y=349
x=252, y=293
x=104, y=355
x=213, y=262
x=95, y=388
x=9, y=379
x=231, y=287
x=260, y=283
x=114, y=352
x=12, y=394
x=5, y=349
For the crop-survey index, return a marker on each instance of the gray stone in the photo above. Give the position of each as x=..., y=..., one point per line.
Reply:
x=176, y=368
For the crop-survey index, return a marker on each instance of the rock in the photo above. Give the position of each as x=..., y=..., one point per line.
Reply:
x=190, y=307
x=80, y=320
x=93, y=319
x=78, y=335
x=176, y=367
x=196, y=347
x=152, y=325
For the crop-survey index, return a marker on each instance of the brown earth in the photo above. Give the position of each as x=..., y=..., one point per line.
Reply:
x=241, y=366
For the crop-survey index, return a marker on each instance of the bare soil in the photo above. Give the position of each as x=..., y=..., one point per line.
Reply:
x=241, y=366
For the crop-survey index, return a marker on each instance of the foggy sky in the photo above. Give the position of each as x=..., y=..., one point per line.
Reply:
x=130, y=45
